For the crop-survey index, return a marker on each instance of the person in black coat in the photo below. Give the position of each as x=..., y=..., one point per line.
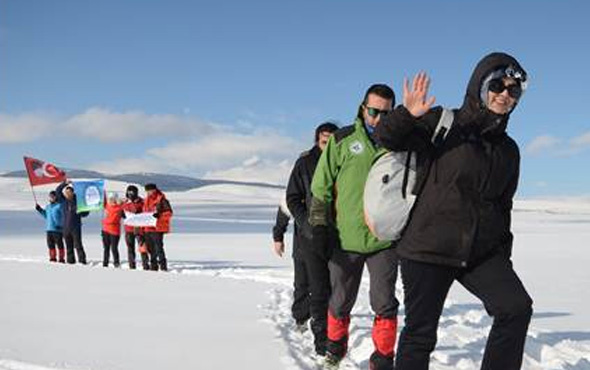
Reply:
x=460, y=224
x=72, y=225
x=311, y=276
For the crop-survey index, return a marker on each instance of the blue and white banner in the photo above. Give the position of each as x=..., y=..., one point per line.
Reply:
x=89, y=195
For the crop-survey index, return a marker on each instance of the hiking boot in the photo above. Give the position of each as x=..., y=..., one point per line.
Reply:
x=163, y=266
x=320, y=349
x=377, y=361
x=331, y=361
x=301, y=326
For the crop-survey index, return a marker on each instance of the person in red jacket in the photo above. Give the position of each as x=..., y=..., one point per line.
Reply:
x=111, y=229
x=134, y=204
x=157, y=203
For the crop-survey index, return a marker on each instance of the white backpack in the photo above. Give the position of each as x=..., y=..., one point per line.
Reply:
x=388, y=198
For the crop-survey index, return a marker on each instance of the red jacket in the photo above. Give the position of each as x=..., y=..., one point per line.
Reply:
x=111, y=223
x=157, y=203
x=132, y=206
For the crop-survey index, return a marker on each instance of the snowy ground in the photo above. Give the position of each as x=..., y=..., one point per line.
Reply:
x=225, y=302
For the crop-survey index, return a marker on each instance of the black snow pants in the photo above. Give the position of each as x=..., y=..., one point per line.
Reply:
x=110, y=244
x=73, y=239
x=493, y=281
x=130, y=242
x=155, y=244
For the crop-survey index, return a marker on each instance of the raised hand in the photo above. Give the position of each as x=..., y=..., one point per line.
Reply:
x=415, y=99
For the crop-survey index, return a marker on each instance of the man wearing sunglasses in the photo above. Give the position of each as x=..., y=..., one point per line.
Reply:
x=460, y=225
x=336, y=216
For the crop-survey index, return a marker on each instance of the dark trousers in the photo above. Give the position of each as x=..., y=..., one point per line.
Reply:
x=493, y=281
x=110, y=244
x=130, y=242
x=319, y=289
x=155, y=245
x=312, y=292
x=346, y=271
x=73, y=239
x=300, y=307
x=55, y=240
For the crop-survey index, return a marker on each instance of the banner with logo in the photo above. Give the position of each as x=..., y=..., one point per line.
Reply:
x=140, y=219
x=89, y=195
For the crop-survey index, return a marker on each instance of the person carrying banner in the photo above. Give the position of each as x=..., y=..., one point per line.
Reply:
x=134, y=204
x=53, y=214
x=72, y=223
x=111, y=229
x=156, y=203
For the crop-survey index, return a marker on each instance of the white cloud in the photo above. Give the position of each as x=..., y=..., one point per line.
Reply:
x=220, y=150
x=582, y=141
x=259, y=157
x=256, y=170
x=105, y=125
x=542, y=143
x=129, y=165
x=240, y=152
x=23, y=128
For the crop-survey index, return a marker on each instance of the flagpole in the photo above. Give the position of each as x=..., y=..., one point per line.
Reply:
x=33, y=191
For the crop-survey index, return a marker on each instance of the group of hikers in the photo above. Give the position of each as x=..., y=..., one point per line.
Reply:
x=64, y=224
x=459, y=228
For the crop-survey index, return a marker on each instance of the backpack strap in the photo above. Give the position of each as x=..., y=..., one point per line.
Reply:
x=443, y=127
x=406, y=175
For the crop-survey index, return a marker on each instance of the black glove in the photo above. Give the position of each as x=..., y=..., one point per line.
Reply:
x=38, y=208
x=321, y=241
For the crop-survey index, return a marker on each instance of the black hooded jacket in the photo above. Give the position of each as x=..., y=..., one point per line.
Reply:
x=72, y=220
x=299, y=195
x=465, y=186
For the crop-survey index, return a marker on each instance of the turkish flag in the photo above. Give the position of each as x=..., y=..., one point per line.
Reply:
x=41, y=173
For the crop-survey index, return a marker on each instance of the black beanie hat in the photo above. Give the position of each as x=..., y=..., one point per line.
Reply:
x=150, y=186
x=133, y=189
x=325, y=127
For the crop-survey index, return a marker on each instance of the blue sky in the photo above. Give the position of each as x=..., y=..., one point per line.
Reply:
x=235, y=88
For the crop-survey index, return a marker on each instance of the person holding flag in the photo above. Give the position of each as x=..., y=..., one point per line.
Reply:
x=53, y=214
x=72, y=223
x=43, y=173
x=111, y=229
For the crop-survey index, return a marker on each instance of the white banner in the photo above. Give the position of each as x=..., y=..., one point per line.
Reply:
x=140, y=219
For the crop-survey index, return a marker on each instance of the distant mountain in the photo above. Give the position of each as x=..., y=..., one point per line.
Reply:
x=164, y=182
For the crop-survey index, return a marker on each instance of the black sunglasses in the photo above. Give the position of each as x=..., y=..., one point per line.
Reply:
x=497, y=86
x=374, y=112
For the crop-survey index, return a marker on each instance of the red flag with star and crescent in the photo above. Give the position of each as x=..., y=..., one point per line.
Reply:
x=41, y=172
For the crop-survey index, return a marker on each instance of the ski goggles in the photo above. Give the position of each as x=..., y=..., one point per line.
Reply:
x=498, y=86
x=374, y=112
x=498, y=76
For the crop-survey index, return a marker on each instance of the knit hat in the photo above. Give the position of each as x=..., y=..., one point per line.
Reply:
x=132, y=189
x=150, y=186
